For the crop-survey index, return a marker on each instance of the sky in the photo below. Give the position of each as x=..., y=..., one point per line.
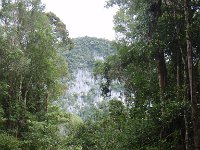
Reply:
x=84, y=17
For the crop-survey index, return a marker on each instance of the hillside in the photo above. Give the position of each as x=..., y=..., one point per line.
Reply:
x=83, y=95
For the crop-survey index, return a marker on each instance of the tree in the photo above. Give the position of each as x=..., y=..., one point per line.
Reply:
x=152, y=43
x=192, y=80
x=31, y=64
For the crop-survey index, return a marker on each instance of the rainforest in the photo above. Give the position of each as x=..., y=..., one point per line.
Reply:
x=140, y=91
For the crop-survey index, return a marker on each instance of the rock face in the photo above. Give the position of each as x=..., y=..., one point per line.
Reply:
x=84, y=95
x=84, y=81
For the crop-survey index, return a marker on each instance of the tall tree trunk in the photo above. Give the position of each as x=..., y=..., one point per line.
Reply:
x=184, y=84
x=185, y=100
x=178, y=74
x=183, y=144
x=162, y=74
x=193, y=98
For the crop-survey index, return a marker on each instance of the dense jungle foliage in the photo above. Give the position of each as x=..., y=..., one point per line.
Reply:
x=157, y=63
x=31, y=67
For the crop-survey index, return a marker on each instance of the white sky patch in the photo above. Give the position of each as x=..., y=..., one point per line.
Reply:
x=84, y=17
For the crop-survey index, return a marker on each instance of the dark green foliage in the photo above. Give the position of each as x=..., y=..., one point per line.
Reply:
x=152, y=65
x=156, y=67
x=31, y=68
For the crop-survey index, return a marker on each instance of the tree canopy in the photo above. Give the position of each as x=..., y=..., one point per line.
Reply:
x=31, y=68
x=156, y=64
